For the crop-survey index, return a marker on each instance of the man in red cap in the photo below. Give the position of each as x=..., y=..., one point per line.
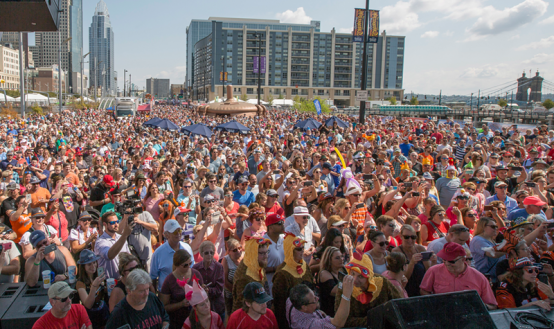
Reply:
x=275, y=224
x=99, y=194
x=533, y=206
x=455, y=275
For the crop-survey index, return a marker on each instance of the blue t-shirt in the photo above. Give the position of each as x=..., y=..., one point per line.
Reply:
x=336, y=168
x=245, y=199
x=522, y=213
x=483, y=263
x=405, y=148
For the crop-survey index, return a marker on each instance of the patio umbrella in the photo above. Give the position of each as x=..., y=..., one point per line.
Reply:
x=166, y=124
x=307, y=124
x=233, y=127
x=151, y=123
x=331, y=121
x=197, y=129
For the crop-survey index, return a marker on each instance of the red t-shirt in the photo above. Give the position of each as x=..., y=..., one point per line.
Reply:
x=75, y=318
x=241, y=320
x=432, y=234
x=276, y=209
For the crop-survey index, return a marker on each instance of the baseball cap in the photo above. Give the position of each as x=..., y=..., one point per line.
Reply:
x=85, y=215
x=108, y=180
x=533, y=201
x=273, y=218
x=256, y=292
x=34, y=180
x=37, y=212
x=451, y=251
x=301, y=211
x=501, y=168
x=521, y=263
x=171, y=225
x=271, y=192
x=427, y=175
x=500, y=183
x=36, y=237
x=327, y=165
x=60, y=290
x=13, y=186
x=494, y=155
x=87, y=257
x=243, y=179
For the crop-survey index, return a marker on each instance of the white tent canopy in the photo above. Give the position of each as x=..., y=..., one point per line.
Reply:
x=255, y=101
x=284, y=102
x=33, y=97
x=6, y=98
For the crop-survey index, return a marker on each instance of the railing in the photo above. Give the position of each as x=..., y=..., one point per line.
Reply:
x=343, y=56
x=297, y=69
x=297, y=46
x=300, y=62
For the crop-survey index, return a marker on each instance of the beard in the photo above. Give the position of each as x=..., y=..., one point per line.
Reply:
x=262, y=263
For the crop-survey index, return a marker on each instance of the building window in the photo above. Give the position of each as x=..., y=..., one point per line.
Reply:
x=249, y=90
x=294, y=91
x=346, y=93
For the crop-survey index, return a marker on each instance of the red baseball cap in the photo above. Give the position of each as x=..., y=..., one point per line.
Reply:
x=451, y=251
x=533, y=201
x=273, y=218
x=108, y=180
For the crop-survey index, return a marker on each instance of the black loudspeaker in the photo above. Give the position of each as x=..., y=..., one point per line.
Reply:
x=528, y=318
x=459, y=310
x=29, y=15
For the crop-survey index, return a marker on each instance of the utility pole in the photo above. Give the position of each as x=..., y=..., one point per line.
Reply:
x=130, y=84
x=223, y=74
x=364, y=62
x=259, y=35
x=440, y=97
x=478, y=99
x=82, y=62
x=21, y=78
x=124, y=83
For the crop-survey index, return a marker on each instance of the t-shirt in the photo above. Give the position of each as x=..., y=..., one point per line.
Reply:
x=98, y=193
x=40, y=198
x=275, y=209
x=8, y=206
x=10, y=255
x=50, y=232
x=21, y=225
x=75, y=319
x=151, y=316
x=73, y=179
x=218, y=192
x=243, y=200
x=140, y=237
x=241, y=320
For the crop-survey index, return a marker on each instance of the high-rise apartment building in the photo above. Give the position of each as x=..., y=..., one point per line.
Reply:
x=101, y=46
x=300, y=60
x=9, y=68
x=76, y=46
x=159, y=88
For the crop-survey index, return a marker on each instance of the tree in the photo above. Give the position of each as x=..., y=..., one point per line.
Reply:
x=548, y=104
x=502, y=102
x=13, y=93
x=244, y=97
x=281, y=96
x=270, y=99
x=392, y=100
x=414, y=101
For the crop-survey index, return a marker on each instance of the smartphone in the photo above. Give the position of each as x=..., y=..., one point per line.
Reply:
x=275, y=172
x=388, y=171
x=543, y=277
x=341, y=276
x=529, y=184
x=408, y=185
x=302, y=172
x=550, y=225
x=359, y=205
x=415, y=194
x=395, y=187
x=130, y=220
x=28, y=198
x=539, y=266
x=368, y=176
x=308, y=183
x=215, y=217
x=50, y=249
x=486, y=208
x=100, y=271
x=426, y=255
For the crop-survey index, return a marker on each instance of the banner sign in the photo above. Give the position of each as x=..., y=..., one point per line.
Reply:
x=256, y=64
x=373, y=35
x=221, y=78
x=317, y=106
x=359, y=25
x=262, y=66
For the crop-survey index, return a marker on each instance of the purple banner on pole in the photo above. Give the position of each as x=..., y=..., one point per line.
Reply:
x=256, y=64
x=263, y=65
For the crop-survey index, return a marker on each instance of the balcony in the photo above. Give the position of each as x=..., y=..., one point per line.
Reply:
x=300, y=39
x=300, y=54
x=343, y=56
x=300, y=46
x=343, y=48
x=301, y=62
x=343, y=71
x=342, y=77
x=299, y=69
x=299, y=84
x=299, y=77
x=343, y=63
x=342, y=85
x=343, y=40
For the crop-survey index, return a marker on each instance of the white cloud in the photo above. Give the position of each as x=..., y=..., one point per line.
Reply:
x=430, y=34
x=494, y=21
x=448, y=33
x=399, y=18
x=543, y=43
x=345, y=30
x=483, y=72
x=175, y=75
x=549, y=20
x=515, y=37
x=539, y=59
x=299, y=16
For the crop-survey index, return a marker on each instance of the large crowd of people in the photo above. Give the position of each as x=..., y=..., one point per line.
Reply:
x=138, y=227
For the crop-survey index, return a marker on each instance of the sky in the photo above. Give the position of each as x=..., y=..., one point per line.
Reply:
x=457, y=46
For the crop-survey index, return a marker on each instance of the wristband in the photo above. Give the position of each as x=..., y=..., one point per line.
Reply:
x=345, y=298
x=36, y=264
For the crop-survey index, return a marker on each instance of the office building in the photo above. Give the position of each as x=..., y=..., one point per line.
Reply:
x=9, y=68
x=101, y=46
x=301, y=60
x=159, y=88
x=76, y=47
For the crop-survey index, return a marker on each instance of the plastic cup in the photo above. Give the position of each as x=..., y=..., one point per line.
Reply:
x=71, y=273
x=46, y=279
x=111, y=284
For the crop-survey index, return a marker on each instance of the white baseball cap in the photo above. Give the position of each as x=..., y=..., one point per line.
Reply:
x=171, y=225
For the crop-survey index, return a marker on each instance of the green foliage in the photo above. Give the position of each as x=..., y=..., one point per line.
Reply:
x=502, y=103
x=270, y=99
x=414, y=101
x=305, y=105
x=244, y=97
x=392, y=100
x=548, y=104
x=13, y=93
x=281, y=96
x=37, y=109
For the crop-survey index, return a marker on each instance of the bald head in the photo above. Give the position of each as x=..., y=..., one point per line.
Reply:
x=459, y=234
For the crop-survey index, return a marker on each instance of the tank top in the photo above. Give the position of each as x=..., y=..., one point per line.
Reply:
x=232, y=268
x=58, y=266
x=21, y=225
x=377, y=268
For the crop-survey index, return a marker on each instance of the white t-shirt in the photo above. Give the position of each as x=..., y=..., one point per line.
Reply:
x=52, y=232
x=10, y=255
x=275, y=258
x=79, y=236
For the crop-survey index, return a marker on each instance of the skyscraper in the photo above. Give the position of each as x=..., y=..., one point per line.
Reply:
x=76, y=44
x=101, y=46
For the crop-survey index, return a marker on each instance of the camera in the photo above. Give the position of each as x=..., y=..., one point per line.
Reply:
x=129, y=207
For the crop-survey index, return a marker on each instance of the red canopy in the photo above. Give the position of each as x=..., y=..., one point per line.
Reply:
x=145, y=107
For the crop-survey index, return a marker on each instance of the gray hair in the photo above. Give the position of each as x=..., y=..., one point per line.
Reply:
x=135, y=278
x=535, y=219
x=206, y=245
x=298, y=295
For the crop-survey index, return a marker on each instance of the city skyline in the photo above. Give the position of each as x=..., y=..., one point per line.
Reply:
x=453, y=45
x=102, y=48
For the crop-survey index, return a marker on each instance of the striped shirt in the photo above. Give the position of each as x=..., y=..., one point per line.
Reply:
x=301, y=320
x=460, y=153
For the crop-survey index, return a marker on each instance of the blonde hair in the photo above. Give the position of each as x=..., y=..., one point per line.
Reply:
x=332, y=220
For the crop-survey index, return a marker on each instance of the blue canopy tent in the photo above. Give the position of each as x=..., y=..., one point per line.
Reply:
x=197, y=129
x=151, y=123
x=233, y=127
x=331, y=121
x=166, y=124
x=307, y=124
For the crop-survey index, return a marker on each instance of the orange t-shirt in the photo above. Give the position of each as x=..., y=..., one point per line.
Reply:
x=40, y=198
x=21, y=226
x=73, y=179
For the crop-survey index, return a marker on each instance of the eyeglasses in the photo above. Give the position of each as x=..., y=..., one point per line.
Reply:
x=314, y=302
x=63, y=300
x=455, y=260
x=532, y=270
x=187, y=186
x=210, y=201
x=185, y=265
x=177, y=232
x=392, y=225
x=212, y=181
x=470, y=215
x=407, y=237
x=470, y=259
x=441, y=214
x=503, y=187
x=114, y=222
x=131, y=269
x=356, y=195
x=209, y=252
x=383, y=243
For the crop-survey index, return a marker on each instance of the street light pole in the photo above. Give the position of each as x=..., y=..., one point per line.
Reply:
x=364, y=62
x=124, y=81
x=82, y=62
x=259, y=35
x=130, y=84
x=21, y=79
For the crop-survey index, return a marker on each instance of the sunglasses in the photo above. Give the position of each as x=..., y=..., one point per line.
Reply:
x=407, y=237
x=455, y=260
x=532, y=270
x=208, y=252
x=114, y=222
x=356, y=195
x=63, y=300
x=383, y=243
x=210, y=201
x=212, y=181
x=187, y=186
x=132, y=269
x=177, y=232
x=470, y=215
